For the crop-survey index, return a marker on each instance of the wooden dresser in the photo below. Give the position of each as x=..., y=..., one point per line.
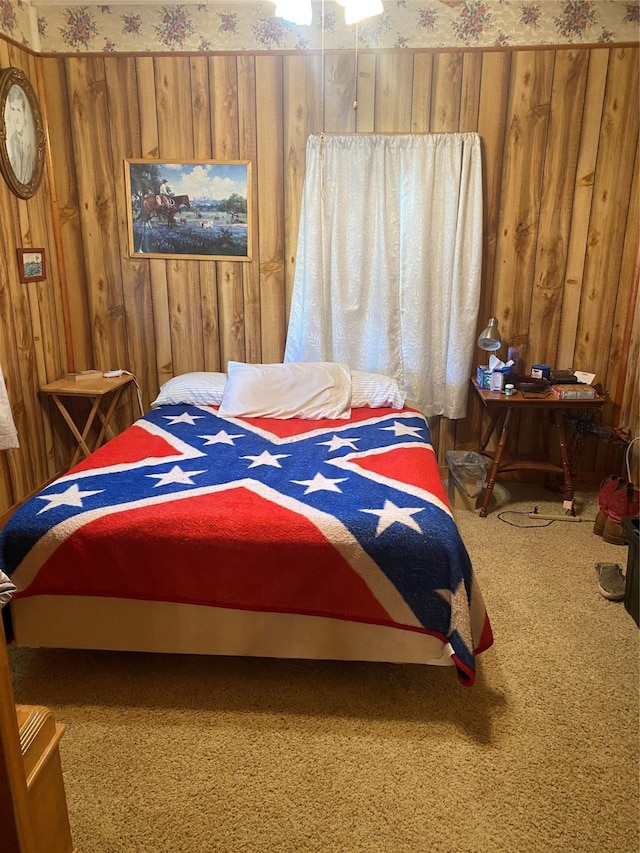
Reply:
x=39, y=739
x=33, y=806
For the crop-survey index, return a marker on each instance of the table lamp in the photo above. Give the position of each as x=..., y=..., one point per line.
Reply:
x=490, y=339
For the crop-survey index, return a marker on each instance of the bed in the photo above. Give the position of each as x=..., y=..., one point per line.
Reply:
x=227, y=523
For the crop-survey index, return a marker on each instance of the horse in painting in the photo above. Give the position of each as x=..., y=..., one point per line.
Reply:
x=151, y=207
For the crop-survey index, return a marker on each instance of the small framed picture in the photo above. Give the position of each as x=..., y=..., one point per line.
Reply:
x=22, y=140
x=32, y=264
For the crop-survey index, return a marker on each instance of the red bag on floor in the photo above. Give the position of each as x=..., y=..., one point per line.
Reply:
x=618, y=498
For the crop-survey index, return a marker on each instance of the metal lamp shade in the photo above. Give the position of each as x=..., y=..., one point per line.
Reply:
x=490, y=339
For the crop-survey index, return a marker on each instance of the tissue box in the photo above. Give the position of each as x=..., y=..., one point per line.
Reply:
x=483, y=376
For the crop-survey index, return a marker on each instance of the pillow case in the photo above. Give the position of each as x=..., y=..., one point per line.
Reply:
x=309, y=390
x=197, y=389
x=375, y=390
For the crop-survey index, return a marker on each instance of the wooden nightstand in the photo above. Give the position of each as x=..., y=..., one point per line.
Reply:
x=501, y=408
x=102, y=393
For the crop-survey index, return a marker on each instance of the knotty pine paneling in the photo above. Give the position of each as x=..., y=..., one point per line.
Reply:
x=124, y=141
x=269, y=178
x=248, y=150
x=559, y=132
x=392, y=99
x=612, y=208
x=572, y=293
x=30, y=324
x=446, y=82
x=303, y=115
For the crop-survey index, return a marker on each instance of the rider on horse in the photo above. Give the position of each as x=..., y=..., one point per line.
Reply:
x=164, y=196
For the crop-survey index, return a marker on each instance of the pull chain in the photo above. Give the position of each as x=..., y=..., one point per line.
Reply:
x=322, y=65
x=322, y=164
x=355, y=81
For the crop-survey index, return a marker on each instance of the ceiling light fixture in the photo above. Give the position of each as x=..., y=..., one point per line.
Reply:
x=358, y=10
x=300, y=11
x=296, y=11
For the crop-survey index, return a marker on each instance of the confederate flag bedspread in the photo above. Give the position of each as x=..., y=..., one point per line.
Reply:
x=340, y=519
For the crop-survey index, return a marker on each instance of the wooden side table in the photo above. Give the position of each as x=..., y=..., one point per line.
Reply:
x=500, y=409
x=102, y=393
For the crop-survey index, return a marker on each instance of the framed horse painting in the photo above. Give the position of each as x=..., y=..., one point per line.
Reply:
x=196, y=209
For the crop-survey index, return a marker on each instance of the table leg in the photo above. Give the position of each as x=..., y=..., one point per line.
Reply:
x=82, y=444
x=106, y=417
x=567, y=482
x=492, y=425
x=85, y=432
x=493, y=473
x=545, y=435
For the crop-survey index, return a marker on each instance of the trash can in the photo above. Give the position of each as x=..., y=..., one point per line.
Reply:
x=632, y=581
x=466, y=479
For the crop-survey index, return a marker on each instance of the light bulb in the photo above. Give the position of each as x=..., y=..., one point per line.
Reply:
x=295, y=11
x=358, y=10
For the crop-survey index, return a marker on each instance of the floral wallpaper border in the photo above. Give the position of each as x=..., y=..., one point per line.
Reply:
x=220, y=26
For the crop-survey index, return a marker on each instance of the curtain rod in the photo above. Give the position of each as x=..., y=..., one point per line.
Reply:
x=395, y=133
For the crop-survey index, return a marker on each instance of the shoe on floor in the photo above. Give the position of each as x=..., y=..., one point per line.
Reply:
x=611, y=581
x=613, y=533
x=599, y=523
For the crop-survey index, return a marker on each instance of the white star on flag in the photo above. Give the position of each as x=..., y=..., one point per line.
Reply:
x=320, y=483
x=391, y=514
x=460, y=614
x=266, y=458
x=403, y=429
x=336, y=443
x=221, y=437
x=184, y=418
x=70, y=497
x=175, y=475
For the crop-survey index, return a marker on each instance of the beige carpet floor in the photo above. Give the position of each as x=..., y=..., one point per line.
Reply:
x=169, y=754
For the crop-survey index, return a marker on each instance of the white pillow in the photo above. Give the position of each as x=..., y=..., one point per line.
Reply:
x=375, y=390
x=197, y=389
x=310, y=390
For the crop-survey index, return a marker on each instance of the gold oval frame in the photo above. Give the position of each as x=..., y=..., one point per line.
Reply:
x=21, y=184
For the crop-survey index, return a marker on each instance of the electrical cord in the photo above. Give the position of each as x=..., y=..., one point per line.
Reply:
x=523, y=512
x=548, y=522
x=543, y=522
x=626, y=457
x=138, y=390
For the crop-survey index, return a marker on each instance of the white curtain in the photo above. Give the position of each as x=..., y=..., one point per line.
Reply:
x=389, y=257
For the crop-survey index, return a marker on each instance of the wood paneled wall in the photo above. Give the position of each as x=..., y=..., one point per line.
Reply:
x=560, y=142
